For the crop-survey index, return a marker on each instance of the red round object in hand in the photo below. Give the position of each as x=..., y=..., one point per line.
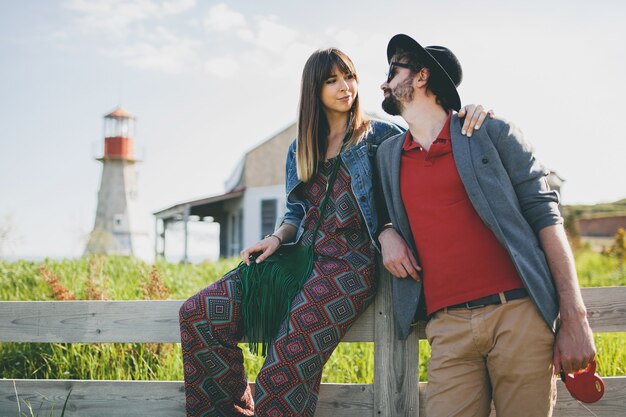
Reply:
x=585, y=385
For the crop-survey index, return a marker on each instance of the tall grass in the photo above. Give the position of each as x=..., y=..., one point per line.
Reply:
x=120, y=278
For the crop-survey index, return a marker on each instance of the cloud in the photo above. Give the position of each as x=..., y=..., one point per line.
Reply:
x=177, y=6
x=173, y=58
x=114, y=17
x=347, y=37
x=272, y=46
x=223, y=67
x=267, y=32
x=221, y=18
x=130, y=30
x=137, y=33
x=246, y=35
x=272, y=35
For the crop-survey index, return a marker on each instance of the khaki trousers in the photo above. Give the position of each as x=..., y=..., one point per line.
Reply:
x=497, y=352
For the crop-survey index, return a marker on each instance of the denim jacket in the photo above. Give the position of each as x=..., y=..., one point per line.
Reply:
x=358, y=161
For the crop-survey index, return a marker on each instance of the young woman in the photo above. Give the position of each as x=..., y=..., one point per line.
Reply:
x=333, y=135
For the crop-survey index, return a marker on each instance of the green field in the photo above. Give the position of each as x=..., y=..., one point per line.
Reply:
x=119, y=278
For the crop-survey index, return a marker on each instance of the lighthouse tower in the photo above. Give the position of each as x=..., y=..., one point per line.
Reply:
x=119, y=228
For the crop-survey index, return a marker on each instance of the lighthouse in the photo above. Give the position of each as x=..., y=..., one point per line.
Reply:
x=119, y=228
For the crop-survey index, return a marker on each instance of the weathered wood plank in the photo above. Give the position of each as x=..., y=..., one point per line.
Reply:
x=395, y=362
x=157, y=321
x=111, y=321
x=612, y=404
x=156, y=399
x=89, y=321
x=166, y=399
x=606, y=308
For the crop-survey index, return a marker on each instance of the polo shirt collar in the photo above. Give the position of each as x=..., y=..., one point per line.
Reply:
x=443, y=135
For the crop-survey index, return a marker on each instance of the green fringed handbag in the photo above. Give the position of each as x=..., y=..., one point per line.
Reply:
x=268, y=288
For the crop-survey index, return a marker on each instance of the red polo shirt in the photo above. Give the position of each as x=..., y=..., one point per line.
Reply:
x=461, y=258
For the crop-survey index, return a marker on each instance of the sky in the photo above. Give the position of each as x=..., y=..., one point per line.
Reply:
x=208, y=80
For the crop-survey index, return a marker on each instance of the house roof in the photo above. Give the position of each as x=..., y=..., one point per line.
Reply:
x=264, y=164
x=202, y=207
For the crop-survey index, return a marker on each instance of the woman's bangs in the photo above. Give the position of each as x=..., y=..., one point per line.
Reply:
x=339, y=60
x=343, y=65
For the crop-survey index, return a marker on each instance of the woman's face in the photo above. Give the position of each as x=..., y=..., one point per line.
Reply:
x=339, y=91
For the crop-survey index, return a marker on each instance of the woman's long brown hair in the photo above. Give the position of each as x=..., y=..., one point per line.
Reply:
x=313, y=127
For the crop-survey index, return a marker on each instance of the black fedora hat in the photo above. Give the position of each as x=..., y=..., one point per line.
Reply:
x=438, y=59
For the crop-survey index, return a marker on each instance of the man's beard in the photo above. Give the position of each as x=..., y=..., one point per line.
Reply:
x=392, y=104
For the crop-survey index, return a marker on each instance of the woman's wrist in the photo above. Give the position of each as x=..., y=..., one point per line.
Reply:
x=280, y=241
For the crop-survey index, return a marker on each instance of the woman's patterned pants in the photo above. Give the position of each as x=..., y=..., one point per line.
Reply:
x=210, y=325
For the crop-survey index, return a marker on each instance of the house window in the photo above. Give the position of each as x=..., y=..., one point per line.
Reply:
x=268, y=216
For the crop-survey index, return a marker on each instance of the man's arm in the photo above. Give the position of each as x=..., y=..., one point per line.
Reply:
x=539, y=204
x=574, y=347
x=397, y=257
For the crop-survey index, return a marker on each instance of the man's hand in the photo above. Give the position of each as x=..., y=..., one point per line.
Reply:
x=476, y=115
x=397, y=256
x=574, y=347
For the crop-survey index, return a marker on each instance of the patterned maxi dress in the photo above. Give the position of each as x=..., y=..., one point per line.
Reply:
x=339, y=289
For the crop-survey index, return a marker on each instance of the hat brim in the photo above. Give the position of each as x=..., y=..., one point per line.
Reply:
x=405, y=42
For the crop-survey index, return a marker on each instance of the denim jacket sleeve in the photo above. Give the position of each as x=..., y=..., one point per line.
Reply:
x=294, y=212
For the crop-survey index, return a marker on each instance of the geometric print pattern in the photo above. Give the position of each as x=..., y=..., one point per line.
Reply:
x=339, y=288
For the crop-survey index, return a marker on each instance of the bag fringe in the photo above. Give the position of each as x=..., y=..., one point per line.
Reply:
x=267, y=290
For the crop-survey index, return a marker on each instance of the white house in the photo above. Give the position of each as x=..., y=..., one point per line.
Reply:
x=250, y=207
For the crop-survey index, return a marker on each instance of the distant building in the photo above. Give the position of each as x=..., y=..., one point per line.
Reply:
x=119, y=228
x=250, y=207
x=601, y=226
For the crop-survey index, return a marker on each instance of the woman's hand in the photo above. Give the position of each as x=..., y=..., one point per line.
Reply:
x=267, y=246
x=476, y=115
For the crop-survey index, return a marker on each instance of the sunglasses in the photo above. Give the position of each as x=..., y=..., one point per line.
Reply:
x=393, y=64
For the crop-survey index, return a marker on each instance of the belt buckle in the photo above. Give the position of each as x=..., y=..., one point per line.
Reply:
x=470, y=307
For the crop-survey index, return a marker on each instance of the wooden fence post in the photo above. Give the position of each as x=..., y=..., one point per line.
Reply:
x=396, y=379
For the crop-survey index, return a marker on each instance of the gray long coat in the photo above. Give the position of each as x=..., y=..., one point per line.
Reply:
x=508, y=189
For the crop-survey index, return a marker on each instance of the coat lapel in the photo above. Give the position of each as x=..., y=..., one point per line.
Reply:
x=402, y=220
x=462, y=153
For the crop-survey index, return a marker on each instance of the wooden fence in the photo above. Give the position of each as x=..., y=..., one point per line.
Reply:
x=396, y=391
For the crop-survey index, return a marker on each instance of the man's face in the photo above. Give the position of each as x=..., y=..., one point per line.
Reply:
x=398, y=89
